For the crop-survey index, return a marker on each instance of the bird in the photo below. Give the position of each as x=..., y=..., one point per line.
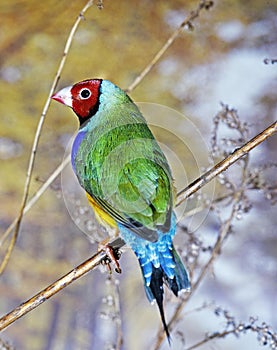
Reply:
x=128, y=181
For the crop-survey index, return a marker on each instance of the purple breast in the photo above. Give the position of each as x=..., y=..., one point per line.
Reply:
x=75, y=147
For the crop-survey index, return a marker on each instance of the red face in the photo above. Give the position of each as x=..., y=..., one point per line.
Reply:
x=85, y=97
x=82, y=97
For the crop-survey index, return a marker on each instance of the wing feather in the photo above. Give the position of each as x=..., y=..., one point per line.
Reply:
x=124, y=170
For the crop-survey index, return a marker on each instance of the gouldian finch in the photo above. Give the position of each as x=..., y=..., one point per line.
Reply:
x=128, y=180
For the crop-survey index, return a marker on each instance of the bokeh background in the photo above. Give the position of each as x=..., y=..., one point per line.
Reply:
x=220, y=61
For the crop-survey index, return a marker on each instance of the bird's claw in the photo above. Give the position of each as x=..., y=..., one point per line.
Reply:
x=112, y=256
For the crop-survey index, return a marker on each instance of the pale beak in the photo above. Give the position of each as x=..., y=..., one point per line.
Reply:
x=64, y=96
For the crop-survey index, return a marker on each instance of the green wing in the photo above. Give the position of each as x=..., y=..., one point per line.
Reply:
x=127, y=174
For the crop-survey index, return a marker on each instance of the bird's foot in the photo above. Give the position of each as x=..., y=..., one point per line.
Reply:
x=112, y=257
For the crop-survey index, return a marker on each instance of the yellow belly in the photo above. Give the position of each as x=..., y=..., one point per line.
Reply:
x=102, y=217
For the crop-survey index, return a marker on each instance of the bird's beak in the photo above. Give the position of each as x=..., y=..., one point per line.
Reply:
x=64, y=96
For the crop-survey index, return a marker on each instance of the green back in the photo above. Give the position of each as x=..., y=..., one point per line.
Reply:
x=120, y=164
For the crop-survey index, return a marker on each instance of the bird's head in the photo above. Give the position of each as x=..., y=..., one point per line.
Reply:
x=83, y=98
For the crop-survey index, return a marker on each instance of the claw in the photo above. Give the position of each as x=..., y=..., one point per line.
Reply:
x=113, y=256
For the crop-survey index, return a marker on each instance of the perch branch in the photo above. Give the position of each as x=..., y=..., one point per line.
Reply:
x=51, y=290
x=211, y=337
x=118, y=243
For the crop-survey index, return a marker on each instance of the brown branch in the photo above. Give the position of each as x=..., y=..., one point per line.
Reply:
x=209, y=338
x=204, y=4
x=51, y=290
x=225, y=163
x=38, y=134
x=118, y=243
x=36, y=196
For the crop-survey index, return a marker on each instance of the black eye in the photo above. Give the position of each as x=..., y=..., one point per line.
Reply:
x=85, y=93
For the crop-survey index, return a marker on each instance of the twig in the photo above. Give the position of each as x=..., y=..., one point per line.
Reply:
x=118, y=243
x=225, y=163
x=264, y=332
x=209, y=338
x=37, y=137
x=117, y=310
x=51, y=290
x=187, y=22
x=36, y=196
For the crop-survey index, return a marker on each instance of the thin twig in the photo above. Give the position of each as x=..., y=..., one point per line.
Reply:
x=118, y=243
x=117, y=307
x=38, y=134
x=36, y=196
x=225, y=163
x=187, y=22
x=209, y=338
x=51, y=290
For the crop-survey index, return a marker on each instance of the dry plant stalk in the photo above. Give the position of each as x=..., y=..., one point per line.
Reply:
x=203, y=4
x=225, y=163
x=95, y=260
x=38, y=134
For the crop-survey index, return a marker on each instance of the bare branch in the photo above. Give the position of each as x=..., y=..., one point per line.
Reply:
x=264, y=332
x=36, y=196
x=225, y=163
x=209, y=338
x=51, y=290
x=38, y=134
x=187, y=22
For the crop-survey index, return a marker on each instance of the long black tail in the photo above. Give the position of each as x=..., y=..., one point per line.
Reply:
x=156, y=287
x=176, y=283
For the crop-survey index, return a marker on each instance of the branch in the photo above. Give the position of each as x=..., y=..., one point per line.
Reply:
x=211, y=337
x=264, y=332
x=225, y=163
x=55, y=287
x=203, y=4
x=118, y=243
x=36, y=196
x=37, y=136
x=51, y=290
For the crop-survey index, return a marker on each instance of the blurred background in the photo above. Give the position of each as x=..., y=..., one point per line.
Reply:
x=222, y=60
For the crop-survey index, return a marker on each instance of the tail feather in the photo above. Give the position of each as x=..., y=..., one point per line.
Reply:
x=181, y=275
x=160, y=264
x=157, y=291
x=176, y=281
